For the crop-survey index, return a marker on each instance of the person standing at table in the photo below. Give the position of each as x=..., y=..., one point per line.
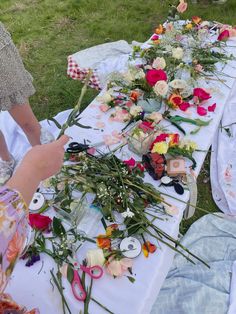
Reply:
x=15, y=89
x=39, y=163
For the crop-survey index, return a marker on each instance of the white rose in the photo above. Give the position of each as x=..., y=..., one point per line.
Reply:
x=177, y=53
x=178, y=84
x=186, y=92
x=135, y=110
x=140, y=74
x=205, y=23
x=95, y=257
x=155, y=116
x=106, y=98
x=128, y=76
x=161, y=88
x=159, y=63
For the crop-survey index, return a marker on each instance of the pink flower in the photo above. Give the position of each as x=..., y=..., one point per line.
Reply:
x=153, y=76
x=131, y=162
x=91, y=150
x=201, y=111
x=182, y=7
x=100, y=124
x=129, y=104
x=104, y=107
x=201, y=94
x=118, y=268
x=155, y=37
x=184, y=106
x=232, y=32
x=224, y=35
x=110, y=140
x=146, y=126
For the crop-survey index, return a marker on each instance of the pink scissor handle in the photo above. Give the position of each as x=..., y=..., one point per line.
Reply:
x=77, y=286
x=94, y=272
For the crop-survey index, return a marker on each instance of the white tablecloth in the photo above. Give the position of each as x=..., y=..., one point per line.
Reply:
x=32, y=287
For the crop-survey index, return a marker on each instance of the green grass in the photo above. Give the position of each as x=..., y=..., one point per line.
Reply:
x=47, y=31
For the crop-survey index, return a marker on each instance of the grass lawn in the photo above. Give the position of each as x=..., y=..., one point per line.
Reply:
x=47, y=31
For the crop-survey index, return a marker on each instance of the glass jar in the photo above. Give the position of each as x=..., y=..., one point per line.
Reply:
x=140, y=139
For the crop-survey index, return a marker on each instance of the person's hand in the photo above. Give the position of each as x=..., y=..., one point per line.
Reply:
x=43, y=161
x=40, y=163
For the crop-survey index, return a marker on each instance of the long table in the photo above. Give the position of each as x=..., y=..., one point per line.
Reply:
x=32, y=287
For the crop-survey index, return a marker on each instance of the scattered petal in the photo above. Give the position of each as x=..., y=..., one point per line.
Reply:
x=212, y=107
x=201, y=111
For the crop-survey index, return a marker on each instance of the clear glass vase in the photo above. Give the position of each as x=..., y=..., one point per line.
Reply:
x=140, y=143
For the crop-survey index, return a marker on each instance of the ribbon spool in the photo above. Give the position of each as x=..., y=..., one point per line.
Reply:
x=38, y=201
x=130, y=247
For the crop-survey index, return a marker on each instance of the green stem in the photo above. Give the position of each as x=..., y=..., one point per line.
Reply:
x=71, y=119
x=102, y=306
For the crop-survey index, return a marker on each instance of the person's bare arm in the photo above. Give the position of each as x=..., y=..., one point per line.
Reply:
x=39, y=163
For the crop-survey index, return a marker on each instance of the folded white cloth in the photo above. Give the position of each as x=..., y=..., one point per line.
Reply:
x=102, y=59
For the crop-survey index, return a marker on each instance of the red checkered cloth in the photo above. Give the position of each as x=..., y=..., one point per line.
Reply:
x=78, y=73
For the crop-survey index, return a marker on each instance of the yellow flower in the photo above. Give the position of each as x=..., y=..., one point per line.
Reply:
x=189, y=26
x=160, y=148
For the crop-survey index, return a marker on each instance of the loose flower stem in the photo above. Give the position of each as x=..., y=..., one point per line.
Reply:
x=102, y=306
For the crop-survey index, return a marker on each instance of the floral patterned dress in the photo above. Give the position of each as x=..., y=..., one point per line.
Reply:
x=13, y=236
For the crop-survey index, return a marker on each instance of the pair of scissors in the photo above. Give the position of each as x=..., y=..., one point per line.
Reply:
x=75, y=147
x=95, y=272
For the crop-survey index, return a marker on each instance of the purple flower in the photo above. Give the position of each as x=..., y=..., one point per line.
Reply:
x=32, y=259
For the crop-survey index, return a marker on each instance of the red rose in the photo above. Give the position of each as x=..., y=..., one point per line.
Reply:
x=201, y=94
x=224, y=35
x=40, y=222
x=153, y=76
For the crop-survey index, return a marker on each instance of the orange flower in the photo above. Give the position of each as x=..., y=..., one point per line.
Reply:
x=110, y=229
x=196, y=19
x=174, y=139
x=159, y=30
x=134, y=95
x=175, y=101
x=103, y=242
x=147, y=248
x=15, y=247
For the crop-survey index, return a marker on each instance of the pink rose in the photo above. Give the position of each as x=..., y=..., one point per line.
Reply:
x=224, y=35
x=155, y=37
x=153, y=76
x=182, y=7
x=201, y=111
x=201, y=94
x=104, y=107
x=129, y=104
x=212, y=107
x=131, y=162
x=118, y=268
x=232, y=32
x=184, y=106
